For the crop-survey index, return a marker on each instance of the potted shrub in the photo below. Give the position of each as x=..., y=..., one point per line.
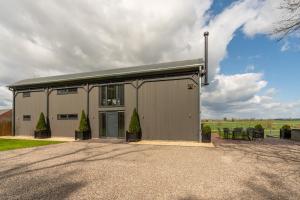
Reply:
x=134, y=132
x=206, y=134
x=285, y=132
x=41, y=129
x=84, y=132
x=259, y=131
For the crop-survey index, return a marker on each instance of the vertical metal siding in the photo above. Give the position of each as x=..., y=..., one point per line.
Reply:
x=66, y=104
x=94, y=111
x=33, y=105
x=130, y=103
x=168, y=110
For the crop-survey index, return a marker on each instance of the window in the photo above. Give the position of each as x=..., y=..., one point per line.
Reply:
x=66, y=91
x=26, y=94
x=112, y=95
x=67, y=116
x=26, y=117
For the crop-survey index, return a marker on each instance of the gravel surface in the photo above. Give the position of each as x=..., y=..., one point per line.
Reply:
x=91, y=170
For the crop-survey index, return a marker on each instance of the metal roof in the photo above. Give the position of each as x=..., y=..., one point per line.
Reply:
x=160, y=68
x=3, y=111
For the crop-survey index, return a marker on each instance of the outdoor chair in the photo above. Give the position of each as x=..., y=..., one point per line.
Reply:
x=250, y=133
x=259, y=133
x=226, y=132
x=237, y=133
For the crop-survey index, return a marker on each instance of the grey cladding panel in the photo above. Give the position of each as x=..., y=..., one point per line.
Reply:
x=169, y=110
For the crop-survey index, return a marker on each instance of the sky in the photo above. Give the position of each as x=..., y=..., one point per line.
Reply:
x=252, y=74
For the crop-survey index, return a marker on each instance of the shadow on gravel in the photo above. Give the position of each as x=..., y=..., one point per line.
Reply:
x=265, y=151
x=189, y=197
x=270, y=186
x=47, y=186
x=101, y=155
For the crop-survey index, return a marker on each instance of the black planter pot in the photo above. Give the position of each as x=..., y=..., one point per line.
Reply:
x=132, y=137
x=42, y=134
x=259, y=133
x=285, y=134
x=82, y=135
x=206, y=138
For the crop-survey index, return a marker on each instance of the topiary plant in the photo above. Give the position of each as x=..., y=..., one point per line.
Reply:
x=286, y=127
x=134, y=126
x=83, y=126
x=41, y=125
x=258, y=126
x=206, y=130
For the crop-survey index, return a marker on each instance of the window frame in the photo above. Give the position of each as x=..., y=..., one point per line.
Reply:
x=26, y=117
x=103, y=123
x=26, y=94
x=72, y=116
x=119, y=94
x=66, y=91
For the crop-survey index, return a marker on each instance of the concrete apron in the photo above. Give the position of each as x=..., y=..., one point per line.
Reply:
x=63, y=139
x=175, y=143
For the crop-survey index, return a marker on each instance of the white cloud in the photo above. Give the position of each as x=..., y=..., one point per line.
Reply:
x=249, y=68
x=285, y=46
x=238, y=96
x=5, y=101
x=268, y=14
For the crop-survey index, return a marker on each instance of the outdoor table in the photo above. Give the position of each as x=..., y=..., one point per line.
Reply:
x=295, y=134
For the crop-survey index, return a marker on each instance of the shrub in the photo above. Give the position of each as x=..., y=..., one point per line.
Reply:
x=286, y=127
x=83, y=126
x=134, y=126
x=206, y=130
x=41, y=125
x=258, y=126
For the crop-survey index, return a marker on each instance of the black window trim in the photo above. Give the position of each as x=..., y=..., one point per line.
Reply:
x=122, y=104
x=66, y=91
x=101, y=129
x=26, y=94
x=26, y=117
x=72, y=116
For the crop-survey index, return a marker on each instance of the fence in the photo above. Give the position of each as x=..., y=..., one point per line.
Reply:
x=5, y=128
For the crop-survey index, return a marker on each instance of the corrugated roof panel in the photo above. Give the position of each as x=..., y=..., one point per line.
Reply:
x=144, y=69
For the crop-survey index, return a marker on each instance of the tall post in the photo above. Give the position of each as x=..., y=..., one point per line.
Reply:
x=87, y=100
x=206, y=58
x=137, y=95
x=199, y=105
x=203, y=73
x=14, y=114
x=47, y=104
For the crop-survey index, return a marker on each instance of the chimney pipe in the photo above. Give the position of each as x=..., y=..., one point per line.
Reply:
x=206, y=58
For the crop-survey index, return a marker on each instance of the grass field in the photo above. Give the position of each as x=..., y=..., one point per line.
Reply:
x=272, y=127
x=9, y=144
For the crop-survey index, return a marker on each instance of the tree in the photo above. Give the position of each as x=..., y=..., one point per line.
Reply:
x=291, y=23
x=83, y=126
x=134, y=126
x=41, y=125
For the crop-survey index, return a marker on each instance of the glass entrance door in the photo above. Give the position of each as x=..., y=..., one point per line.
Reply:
x=111, y=124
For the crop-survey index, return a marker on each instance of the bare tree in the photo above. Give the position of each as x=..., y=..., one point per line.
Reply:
x=291, y=22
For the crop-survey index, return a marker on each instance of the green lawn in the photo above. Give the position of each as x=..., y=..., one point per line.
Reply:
x=9, y=144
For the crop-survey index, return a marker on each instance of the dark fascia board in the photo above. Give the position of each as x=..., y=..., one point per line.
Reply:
x=161, y=69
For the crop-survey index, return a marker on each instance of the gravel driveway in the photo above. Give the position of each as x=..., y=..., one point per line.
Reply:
x=91, y=170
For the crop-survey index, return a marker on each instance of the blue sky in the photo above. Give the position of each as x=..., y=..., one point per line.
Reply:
x=251, y=73
x=280, y=68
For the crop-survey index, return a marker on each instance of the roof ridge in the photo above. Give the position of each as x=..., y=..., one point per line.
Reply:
x=147, y=68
